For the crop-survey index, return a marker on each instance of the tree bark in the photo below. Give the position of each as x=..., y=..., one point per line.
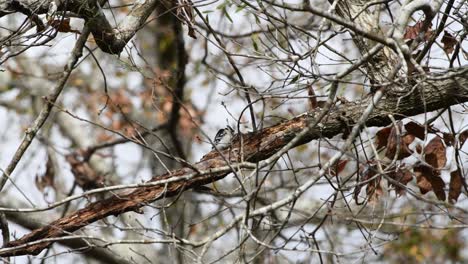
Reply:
x=437, y=92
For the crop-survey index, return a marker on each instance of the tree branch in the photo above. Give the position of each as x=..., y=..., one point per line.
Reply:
x=437, y=91
x=50, y=100
x=109, y=39
x=34, y=222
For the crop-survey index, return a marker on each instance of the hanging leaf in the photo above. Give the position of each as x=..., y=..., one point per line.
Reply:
x=186, y=14
x=374, y=189
x=312, y=98
x=412, y=32
x=339, y=167
x=428, y=180
x=403, y=176
x=399, y=143
x=423, y=173
x=455, y=186
x=382, y=137
x=415, y=129
x=449, y=139
x=373, y=186
x=449, y=42
x=463, y=136
x=435, y=153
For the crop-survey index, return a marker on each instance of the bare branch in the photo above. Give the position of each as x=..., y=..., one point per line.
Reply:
x=109, y=39
x=440, y=91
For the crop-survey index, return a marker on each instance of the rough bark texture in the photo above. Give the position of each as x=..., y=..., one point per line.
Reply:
x=427, y=96
x=379, y=68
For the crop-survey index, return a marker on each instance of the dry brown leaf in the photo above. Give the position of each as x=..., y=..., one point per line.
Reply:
x=312, y=98
x=415, y=129
x=392, y=141
x=455, y=186
x=374, y=190
x=339, y=167
x=429, y=179
x=422, y=174
x=449, y=139
x=185, y=13
x=381, y=138
x=438, y=187
x=404, y=142
x=419, y=149
x=373, y=187
x=412, y=32
x=403, y=176
x=435, y=153
x=463, y=136
x=449, y=42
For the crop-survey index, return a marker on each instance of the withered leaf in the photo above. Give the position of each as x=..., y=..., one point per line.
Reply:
x=422, y=174
x=374, y=188
x=185, y=12
x=339, y=167
x=449, y=42
x=401, y=143
x=463, y=136
x=449, y=139
x=435, y=153
x=312, y=97
x=455, y=186
x=429, y=179
x=419, y=149
x=412, y=32
x=415, y=129
x=406, y=141
x=392, y=141
x=402, y=176
x=382, y=137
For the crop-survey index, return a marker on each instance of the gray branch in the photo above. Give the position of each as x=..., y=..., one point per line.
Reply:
x=109, y=39
x=35, y=220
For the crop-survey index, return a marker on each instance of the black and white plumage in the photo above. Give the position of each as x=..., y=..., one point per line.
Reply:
x=223, y=138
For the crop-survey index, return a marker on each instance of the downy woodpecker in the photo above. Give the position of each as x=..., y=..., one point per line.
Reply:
x=223, y=138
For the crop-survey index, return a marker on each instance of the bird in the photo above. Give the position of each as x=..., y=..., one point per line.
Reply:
x=223, y=138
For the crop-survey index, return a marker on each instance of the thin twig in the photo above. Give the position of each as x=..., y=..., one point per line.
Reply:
x=49, y=103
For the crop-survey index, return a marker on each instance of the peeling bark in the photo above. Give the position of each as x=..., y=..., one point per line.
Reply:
x=427, y=96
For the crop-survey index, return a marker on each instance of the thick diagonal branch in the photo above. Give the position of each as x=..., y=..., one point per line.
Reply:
x=435, y=93
x=34, y=222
